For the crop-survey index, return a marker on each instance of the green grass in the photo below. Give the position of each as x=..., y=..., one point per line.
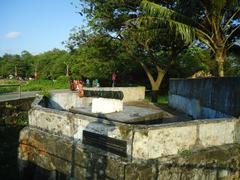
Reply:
x=10, y=88
x=36, y=85
x=161, y=99
x=41, y=85
x=60, y=83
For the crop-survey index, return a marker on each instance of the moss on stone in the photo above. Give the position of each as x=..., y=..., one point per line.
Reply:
x=124, y=131
x=144, y=132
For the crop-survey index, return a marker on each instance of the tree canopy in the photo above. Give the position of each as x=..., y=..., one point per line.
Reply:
x=215, y=23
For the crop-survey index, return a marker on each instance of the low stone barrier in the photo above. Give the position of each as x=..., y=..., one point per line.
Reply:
x=129, y=93
x=206, y=97
x=171, y=139
x=142, y=141
x=69, y=99
x=105, y=105
x=42, y=156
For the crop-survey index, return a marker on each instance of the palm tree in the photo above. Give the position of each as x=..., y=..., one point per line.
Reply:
x=215, y=25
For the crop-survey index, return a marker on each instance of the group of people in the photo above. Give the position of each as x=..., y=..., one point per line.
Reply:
x=77, y=85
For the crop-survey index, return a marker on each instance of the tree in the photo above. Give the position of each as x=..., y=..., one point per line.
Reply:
x=156, y=54
x=27, y=59
x=11, y=65
x=213, y=22
x=111, y=17
x=190, y=61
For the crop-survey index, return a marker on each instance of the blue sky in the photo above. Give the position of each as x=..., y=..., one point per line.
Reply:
x=36, y=25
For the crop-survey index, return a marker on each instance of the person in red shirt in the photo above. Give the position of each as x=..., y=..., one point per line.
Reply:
x=114, y=77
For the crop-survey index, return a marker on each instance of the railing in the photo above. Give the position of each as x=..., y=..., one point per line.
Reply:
x=8, y=91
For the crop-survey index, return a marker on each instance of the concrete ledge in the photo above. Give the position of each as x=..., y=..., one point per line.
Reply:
x=84, y=162
x=206, y=97
x=171, y=139
x=143, y=142
x=194, y=108
x=69, y=99
x=129, y=93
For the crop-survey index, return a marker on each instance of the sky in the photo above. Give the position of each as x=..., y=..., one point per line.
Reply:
x=36, y=25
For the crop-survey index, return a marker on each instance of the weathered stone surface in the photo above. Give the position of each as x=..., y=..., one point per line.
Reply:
x=221, y=162
x=55, y=153
x=143, y=142
x=51, y=120
x=104, y=105
x=84, y=162
x=130, y=93
x=49, y=151
x=94, y=164
x=165, y=140
x=68, y=99
x=206, y=97
x=141, y=171
x=216, y=134
x=194, y=108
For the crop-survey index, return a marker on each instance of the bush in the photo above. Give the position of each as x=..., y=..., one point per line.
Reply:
x=62, y=79
x=38, y=85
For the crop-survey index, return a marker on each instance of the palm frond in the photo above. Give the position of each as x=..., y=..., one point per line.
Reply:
x=159, y=15
x=231, y=18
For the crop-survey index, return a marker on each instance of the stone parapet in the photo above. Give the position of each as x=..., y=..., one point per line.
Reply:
x=57, y=156
x=129, y=93
x=206, y=97
x=142, y=141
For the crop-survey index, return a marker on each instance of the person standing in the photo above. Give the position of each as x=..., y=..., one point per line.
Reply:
x=114, y=77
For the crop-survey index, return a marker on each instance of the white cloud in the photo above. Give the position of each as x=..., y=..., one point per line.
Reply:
x=12, y=35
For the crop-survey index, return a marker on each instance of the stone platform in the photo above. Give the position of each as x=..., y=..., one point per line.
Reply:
x=70, y=142
x=129, y=115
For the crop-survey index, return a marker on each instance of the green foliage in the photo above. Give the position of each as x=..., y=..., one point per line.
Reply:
x=36, y=85
x=48, y=65
x=163, y=99
x=98, y=55
x=45, y=93
x=44, y=85
x=63, y=79
x=12, y=115
x=232, y=65
x=214, y=23
x=191, y=61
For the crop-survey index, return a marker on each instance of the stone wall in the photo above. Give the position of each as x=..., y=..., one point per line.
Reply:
x=206, y=97
x=130, y=93
x=71, y=125
x=66, y=100
x=63, y=157
x=170, y=139
x=14, y=110
x=143, y=142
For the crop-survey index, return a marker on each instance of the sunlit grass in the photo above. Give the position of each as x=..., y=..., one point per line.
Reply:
x=161, y=99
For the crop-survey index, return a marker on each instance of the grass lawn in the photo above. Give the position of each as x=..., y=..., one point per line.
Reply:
x=163, y=99
x=36, y=85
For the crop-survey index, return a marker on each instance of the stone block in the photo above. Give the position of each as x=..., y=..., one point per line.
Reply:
x=215, y=134
x=104, y=105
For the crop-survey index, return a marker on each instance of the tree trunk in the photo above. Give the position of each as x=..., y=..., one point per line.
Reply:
x=15, y=71
x=155, y=84
x=220, y=57
x=67, y=70
x=35, y=73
